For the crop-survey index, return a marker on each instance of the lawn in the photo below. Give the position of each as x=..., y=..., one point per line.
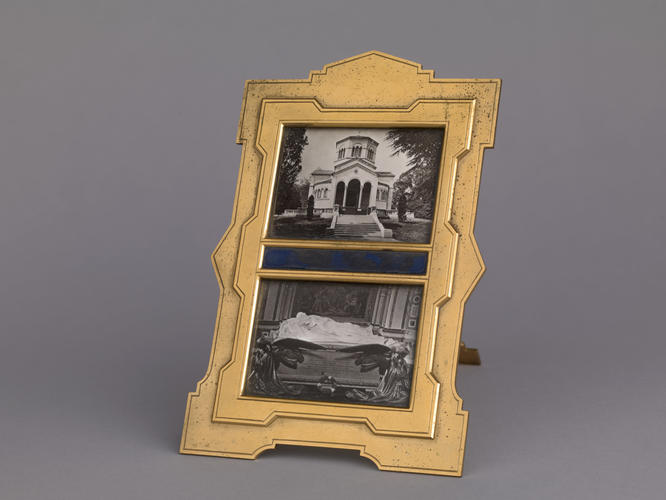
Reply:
x=299, y=227
x=411, y=231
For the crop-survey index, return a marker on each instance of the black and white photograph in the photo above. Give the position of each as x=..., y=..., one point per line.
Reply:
x=357, y=184
x=337, y=342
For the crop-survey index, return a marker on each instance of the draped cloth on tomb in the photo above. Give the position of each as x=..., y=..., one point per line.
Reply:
x=323, y=330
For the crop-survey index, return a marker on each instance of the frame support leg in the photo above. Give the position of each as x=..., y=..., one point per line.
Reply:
x=468, y=355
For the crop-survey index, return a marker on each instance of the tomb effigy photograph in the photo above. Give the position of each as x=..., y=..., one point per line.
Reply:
x=342, y=342
x=357, y=184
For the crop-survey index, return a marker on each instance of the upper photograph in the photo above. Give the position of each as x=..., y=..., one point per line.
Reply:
x=376, y=184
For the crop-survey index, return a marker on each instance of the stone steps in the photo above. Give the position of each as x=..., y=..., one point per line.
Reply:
x=355, y=219
x=354, y=230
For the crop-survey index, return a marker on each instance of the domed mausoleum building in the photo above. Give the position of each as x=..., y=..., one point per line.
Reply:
x=354, y=185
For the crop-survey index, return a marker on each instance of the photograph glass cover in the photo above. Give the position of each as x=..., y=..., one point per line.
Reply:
x=357, y=184
x=338, y=342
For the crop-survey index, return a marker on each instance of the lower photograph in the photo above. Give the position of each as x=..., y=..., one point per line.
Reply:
x=334, y=341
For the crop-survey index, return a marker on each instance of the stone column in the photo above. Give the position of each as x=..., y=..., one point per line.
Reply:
x=373, y=195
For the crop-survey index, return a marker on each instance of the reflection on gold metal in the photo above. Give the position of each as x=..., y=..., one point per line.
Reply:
x=369, y=90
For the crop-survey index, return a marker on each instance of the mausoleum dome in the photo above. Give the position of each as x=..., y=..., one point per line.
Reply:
x=356, y=147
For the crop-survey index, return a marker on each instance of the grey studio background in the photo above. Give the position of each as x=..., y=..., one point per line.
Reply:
x=118, y=170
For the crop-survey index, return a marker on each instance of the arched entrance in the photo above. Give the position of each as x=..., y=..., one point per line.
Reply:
x=340, y=193
x=365, y=196
x=353, y=192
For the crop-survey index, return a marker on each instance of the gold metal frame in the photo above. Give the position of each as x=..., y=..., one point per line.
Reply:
x=369, y=90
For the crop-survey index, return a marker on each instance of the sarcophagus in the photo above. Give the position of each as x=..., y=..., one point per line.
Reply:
x=320, y=365
x=316, y=358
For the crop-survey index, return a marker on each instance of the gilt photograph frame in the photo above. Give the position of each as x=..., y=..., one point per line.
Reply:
x=346, y=267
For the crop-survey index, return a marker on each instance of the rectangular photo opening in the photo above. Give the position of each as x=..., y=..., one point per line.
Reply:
x=375, y=184
x=332, y=341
